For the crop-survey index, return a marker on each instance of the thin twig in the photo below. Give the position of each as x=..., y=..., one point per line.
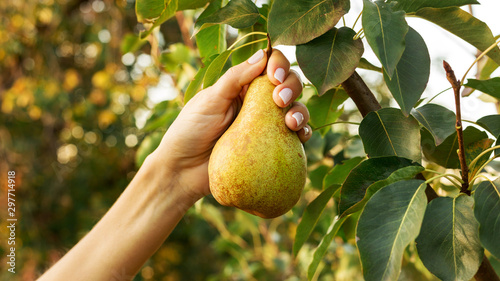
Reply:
x=183, y=26
x=455, y=84
x=438, y=95
x=442, y=176
x=359, y=16
x=491, y=47
x=246, y=44
x=245, y=36
x=269, y=51
x=334, y=123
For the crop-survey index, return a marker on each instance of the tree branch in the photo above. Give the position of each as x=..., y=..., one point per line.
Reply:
x=184, y=28
x=361, y=95
x=455, y=84
x=486, y=272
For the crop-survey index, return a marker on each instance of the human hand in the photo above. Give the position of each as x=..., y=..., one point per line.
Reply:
x=186, y=147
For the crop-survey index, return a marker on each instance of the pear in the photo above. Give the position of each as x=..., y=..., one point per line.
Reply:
x=258, y=165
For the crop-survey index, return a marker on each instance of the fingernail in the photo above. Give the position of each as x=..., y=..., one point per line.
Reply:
x=255, y=58
x=298, y=117
x=285, y=95
x=279, y=74
x=306, y=131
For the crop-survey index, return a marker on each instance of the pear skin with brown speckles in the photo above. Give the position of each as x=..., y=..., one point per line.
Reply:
x=258, y=165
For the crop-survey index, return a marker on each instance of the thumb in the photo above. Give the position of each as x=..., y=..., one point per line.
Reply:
x=231, y=83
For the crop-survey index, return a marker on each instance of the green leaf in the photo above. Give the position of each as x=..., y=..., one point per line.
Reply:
x=437, y=119
x=365, y=174
x=237, y=13
x=331, y=140
x=339, y=172
x=175, y=55
x=163, y=121
x=195, y=84
x=148, y=10
x=411, y=74
x=331, y=58
x=388, y=132
x=385, y=31
x=216, y=69
x=317, y=175
x=324, y=110
x=310, y=217
x=487, y=212
x=489, y=67
x=131, y=43
x=365, y=64
x=448, y=243
x=389, y=222
x=164, y=113
x=211, y=40
x=242, y=54
x=473, y=150
x=445, y=154
x=491, y=123
x=168, y=12
x=463, y=25
x=322, y=248
x=317, y=146
x=298, y=22
x=490, y=86
x=412, y=6
x=405, y=173
x=148, y=145
x=191, y=4
x=314, y=148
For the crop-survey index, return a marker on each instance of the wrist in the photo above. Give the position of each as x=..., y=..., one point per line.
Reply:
x=168, y=181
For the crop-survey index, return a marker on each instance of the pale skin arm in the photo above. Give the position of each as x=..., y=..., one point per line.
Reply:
x=174, y=176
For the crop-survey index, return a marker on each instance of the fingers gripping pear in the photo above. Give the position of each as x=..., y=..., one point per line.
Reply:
x=258, y=165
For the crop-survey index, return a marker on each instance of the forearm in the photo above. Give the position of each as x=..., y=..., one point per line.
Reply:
x=130, y=232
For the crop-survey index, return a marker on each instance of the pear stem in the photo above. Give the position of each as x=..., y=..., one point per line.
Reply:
x=269, y=52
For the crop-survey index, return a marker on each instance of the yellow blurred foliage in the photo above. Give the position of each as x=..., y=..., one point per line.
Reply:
x=51, y=89
x=34, y=112
x=98, y=97
x=71, y=79
x=79, y=109
x=138, y=93
x=20, y=85
x=25, y=98
x=101, y=79
x=45, y=15
x=8, y=103
x=106, y=118
x=172, y=255
x=17, y=21
x=3, y=37
x=67, y=114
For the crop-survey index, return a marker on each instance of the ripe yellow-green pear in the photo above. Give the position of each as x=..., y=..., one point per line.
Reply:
x=258, y=165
